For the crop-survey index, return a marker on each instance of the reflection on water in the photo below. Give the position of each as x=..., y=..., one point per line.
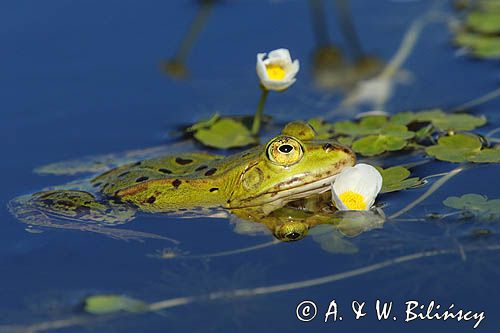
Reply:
x=208, y=274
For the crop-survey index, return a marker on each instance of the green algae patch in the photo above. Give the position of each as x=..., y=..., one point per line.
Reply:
x=397, y=179
x=481, y=46
x=106, y=304
x=475, y=205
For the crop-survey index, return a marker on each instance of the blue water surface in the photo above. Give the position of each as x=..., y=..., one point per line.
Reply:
x=86, y=78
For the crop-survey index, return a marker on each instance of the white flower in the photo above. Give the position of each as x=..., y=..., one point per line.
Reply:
x=355, y=188
x=277, y=71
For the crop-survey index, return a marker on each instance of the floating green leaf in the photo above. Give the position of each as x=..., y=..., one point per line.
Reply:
x=225, y=133
x=394, y=137
x=323, y=129
x=487, y=22
x=367, y=125
x=482, y=46
x=455, y=148
x=476, y=205
x=396, y=179
x=204, y=123
x=441, y=120
x=105, y=304
x=486, y=156
x=463, y=148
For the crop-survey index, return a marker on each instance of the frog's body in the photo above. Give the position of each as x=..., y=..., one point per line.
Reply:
x=259, y=180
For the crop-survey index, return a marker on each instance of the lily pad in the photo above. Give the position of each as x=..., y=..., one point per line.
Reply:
x=463, y=148
x=455, y=148
x=105, y=304
x=396, y=179
x=482, y=46
x=476, y=205
x=486, y=156
x=487, y=22
x=323, y=129
x=441, y=120
x=367, y=125
x=204, y=123
x=393, y=138
x=224, y=133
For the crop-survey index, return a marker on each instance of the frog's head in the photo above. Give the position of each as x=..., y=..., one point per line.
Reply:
x=290, y=166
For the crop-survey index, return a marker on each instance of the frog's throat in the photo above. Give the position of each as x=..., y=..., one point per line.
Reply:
x=281, y=197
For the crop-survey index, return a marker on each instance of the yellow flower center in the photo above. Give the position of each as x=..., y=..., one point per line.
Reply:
x=275, y=72
x=353, y=200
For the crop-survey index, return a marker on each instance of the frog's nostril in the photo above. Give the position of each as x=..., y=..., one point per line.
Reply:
x=328, y=147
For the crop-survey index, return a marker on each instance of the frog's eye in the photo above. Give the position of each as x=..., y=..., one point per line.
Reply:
x=291, y=231
x=284, y=151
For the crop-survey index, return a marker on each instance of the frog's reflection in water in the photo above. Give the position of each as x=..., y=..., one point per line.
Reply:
x=299, y=218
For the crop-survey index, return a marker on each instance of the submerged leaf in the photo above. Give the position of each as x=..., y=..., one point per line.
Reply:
x=396, y=179
x=105, y=304
x=475, y=204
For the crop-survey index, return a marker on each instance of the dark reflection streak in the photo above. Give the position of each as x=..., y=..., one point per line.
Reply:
x=194, y=30
x=319, y=23
x=175, y=66
x=347, y=28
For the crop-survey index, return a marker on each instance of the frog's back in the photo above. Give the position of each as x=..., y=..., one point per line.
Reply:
x=174, y=182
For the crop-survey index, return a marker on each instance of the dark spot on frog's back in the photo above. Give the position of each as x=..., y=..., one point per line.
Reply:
x=141, y=179
x=163, y=170
x=182, y=161
x=123, y=173
x=151, y=199
x=201, y=167
x=214, y=189
x=210, y=172
x=176, y=183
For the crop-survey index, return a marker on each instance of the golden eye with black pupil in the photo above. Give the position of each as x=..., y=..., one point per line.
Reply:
x=284, y=151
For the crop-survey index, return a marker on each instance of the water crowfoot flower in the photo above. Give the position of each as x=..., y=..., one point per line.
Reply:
x=277, y=71
x=356, y=188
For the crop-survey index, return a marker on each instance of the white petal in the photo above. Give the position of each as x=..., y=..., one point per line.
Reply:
x=292, y=70
x=261, y=68
x=283, y=54
x=338, y=203
x=362, y=178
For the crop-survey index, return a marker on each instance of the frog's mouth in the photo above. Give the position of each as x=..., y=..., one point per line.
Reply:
x=278, y=197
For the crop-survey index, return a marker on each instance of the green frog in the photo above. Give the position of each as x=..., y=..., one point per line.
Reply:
x=260, y=184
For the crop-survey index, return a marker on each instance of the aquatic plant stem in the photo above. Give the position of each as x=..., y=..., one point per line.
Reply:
x=231, y=252
x=478, y=101
x=194, y=30
x=258, y=113
x=440, y=182
x=244, y=292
